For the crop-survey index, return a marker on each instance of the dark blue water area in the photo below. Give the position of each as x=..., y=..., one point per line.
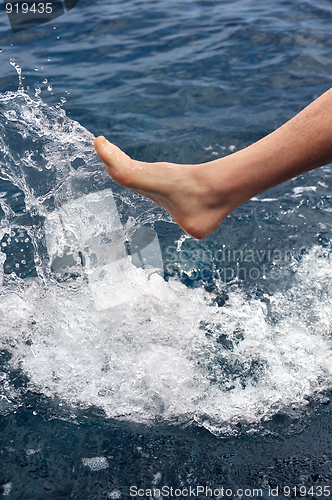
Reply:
x=184, y=81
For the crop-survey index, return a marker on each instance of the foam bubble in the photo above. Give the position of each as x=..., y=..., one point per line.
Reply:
x=7, y=488
x=115, y=494
x=298, y=190
x=96, y=463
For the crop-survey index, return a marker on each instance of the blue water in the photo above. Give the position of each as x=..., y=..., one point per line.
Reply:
x=223, y=377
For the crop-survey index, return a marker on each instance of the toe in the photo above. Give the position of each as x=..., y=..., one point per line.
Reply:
x=116, y=161
x=109, y=153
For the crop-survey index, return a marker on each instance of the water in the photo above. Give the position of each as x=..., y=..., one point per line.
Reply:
x=219, y=374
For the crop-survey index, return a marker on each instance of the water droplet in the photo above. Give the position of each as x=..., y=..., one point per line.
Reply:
x=36, y=69
x=48, y=59
x=63, y=100
x=58, y=38
x=18, y=71
x=45, y=81
x=1, y=50
x=49, y=88
x=54, y=27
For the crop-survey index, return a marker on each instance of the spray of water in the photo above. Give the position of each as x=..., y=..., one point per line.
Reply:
x=169, y=353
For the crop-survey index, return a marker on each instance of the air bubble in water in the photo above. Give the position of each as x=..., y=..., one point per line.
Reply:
x=45, y=81
x=49, y=88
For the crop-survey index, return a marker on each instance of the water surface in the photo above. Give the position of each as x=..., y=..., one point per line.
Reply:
x=221, y=374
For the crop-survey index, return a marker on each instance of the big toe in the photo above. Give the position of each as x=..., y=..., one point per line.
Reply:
x=109, y=153
x=116, y=161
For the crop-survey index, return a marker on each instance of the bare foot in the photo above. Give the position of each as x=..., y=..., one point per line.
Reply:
x=194, y=195
x=199, y=197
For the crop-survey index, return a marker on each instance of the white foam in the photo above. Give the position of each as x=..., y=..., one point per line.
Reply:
x=255, y=198
x=115, y=494
x=31, y=451
x=96, y=463
x=163, y=357
x=304, y=189
x=7, y=488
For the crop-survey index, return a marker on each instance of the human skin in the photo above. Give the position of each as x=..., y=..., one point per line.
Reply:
x=199, y=197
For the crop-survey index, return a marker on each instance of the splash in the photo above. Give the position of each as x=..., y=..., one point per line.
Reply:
x=169, y=353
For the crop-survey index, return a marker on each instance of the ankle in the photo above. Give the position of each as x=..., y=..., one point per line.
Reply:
x=224, y=183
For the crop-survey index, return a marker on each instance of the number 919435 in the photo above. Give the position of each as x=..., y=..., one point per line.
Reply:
x=24, y=8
